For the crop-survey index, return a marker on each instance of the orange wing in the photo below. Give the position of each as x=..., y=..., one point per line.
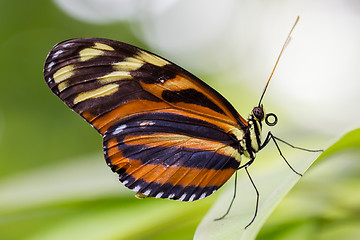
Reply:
x=166, y=133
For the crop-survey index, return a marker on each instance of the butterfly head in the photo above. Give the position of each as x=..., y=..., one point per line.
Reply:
x=258, y=113
x=257, y=116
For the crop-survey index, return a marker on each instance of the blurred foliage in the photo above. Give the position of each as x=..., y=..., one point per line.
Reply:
x=325, y=204
x=41, y=140
x=105, y=218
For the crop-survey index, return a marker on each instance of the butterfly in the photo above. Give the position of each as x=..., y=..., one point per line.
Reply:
x=166, y=133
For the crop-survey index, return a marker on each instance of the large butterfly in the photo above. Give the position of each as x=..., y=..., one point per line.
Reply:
x=165, y=132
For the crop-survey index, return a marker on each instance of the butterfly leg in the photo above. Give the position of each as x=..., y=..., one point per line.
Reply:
x=269, y=137
x=257, y=198
x=232, y=200
x=234, y=196
x=304, y=149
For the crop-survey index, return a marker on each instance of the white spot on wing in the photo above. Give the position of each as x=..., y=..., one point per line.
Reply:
x=125, y=182
x=119, y=129
x=136, y=188
x=50, y=65
x=68, y=44
x=57, y=53
x=182, y=197
x=192, y=197
x=159, y=195
x=147, y=123
x=171, y=196
x=147, y=192
x=202, y=196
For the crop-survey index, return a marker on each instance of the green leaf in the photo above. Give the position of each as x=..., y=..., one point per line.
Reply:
x=350, y=141
x=273, y=184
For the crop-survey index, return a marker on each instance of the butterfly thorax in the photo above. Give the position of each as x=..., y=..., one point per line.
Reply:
x=252, y=138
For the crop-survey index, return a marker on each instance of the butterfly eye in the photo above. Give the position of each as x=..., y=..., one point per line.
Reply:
x=271, y=123
x=258, y=113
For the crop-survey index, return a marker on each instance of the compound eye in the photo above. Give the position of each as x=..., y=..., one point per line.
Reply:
x=269, y=122
x=258, y=113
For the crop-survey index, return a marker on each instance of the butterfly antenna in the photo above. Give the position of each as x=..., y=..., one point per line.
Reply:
x=277, y=61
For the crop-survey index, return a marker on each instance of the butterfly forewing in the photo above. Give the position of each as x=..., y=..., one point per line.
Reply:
x=166, y=133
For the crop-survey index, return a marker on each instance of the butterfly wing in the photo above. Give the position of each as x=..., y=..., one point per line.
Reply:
x=165, y=132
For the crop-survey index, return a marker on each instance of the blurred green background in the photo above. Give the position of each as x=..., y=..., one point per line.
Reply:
x=54, y=183
x=52, y=172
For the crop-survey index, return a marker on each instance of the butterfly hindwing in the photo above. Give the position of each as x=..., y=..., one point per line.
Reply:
x=185, y=159
x=166, y=133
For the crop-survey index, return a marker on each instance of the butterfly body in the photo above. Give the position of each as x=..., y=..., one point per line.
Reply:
x=165, y=132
